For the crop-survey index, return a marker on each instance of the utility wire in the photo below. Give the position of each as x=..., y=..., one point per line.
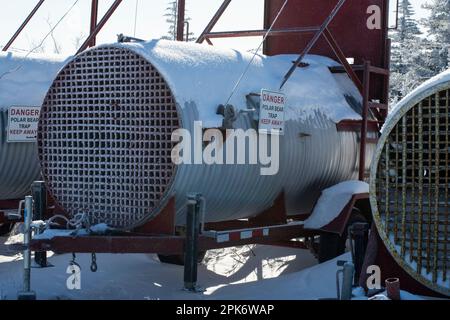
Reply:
x=256, y=52
x=53, y=29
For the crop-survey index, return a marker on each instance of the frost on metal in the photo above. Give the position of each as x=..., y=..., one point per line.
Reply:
x=105, y=132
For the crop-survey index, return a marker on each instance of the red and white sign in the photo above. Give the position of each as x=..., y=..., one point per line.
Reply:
x=271, y=113
x=23, y=124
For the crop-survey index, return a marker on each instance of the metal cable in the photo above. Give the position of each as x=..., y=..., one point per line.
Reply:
x=54, y=28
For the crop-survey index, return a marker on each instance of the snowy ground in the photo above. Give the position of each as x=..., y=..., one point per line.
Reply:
x=141, y=276
x=241, y=273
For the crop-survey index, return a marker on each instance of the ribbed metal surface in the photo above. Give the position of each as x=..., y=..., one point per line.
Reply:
x=105, y=137
x=78, y=126
x=19, y=164
x=410, y=187
x=24, y=80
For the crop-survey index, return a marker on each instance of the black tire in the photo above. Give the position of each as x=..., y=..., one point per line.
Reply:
x=5, y=229
x=332, y=245
x=178, y=259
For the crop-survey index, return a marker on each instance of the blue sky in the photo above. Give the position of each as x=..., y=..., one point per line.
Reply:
x=242, y=14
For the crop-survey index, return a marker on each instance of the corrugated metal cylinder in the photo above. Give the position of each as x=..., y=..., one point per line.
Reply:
x=23, y=82
x=106, y=125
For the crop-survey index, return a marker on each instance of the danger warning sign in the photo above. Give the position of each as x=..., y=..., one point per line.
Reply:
x=271, y=113
x=23, y=123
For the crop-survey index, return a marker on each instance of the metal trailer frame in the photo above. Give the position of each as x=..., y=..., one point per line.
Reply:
x=160, y=236
x=271, y=227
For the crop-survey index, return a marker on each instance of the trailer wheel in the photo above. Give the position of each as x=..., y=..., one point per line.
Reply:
x=333, y=245
x=178, y=259
x=5, y=229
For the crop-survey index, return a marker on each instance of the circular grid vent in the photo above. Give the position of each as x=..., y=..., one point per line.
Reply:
x=105, y=137
x=412, y=191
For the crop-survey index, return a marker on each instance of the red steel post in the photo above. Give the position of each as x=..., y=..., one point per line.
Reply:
x=365, y=113
x=180, y=20
x=94, y=19
x=100, y=25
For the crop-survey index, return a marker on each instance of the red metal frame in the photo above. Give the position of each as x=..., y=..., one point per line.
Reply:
x=256, y=33
x=342, y=59
x=365, y=114
x=271, y=227
x=165, y=244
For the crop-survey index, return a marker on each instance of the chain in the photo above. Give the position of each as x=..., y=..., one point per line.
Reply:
x=73, y=262
x=94, y=266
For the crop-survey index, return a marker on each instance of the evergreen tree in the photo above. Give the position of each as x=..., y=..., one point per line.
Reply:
x=171, y=19
x=438, y=27
x=408, y=65
x=404, y=37
x=407, y=28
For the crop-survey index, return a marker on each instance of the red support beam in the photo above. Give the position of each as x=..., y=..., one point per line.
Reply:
x=181, y=8
x=313, y=42
x=387, y=84
x=341, y=56
x=355, y=126
x=109, y=244
x=24, y=24
x=100, y=25
x=365, y=114
x=162, y=244
x=257, y=33
x=94, y=19
x=213, y=21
